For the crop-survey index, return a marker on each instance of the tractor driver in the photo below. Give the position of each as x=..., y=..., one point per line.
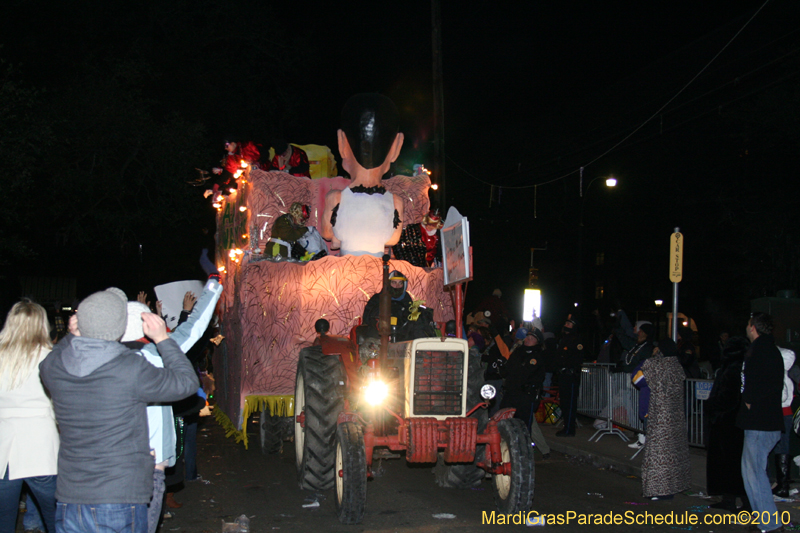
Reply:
x=401, y=302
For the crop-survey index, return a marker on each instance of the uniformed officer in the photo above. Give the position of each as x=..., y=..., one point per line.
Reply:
x=570, y=359
x=524, y=374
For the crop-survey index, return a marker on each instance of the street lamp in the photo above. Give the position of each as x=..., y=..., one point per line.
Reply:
x=610, y=182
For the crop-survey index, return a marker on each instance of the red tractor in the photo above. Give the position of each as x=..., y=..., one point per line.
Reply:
x=424, y=397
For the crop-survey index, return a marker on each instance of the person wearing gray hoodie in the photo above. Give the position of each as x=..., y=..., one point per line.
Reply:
x=100, y=391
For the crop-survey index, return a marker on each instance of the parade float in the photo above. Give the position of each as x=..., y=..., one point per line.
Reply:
x=269, y=307
x=296, y=349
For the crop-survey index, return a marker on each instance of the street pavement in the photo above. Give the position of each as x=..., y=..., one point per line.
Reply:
x=405, y=498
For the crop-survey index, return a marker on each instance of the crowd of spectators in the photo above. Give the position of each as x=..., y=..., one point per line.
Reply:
x=98, y=419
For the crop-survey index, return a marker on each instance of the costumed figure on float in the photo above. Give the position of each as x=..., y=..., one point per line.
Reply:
x=419, y=243
x=290, y=159
x=365, y=218
x=291, y=239
x=231, y=167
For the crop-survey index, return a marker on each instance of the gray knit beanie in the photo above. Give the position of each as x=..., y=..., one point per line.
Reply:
x=102, y=315
x=118, y=292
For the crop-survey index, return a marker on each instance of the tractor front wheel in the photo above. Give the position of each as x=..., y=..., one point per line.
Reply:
x=350, y=473
x=514, y=492
x=316, y=400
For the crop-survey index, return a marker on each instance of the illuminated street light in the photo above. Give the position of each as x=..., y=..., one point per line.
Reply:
x=531, y=305
x=611, y=182
x=659, y=303
x=435, y=186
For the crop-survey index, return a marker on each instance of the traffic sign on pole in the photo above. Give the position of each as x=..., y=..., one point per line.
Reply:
x=676, y=257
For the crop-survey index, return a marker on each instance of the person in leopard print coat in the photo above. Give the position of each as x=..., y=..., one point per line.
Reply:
x=665, y=468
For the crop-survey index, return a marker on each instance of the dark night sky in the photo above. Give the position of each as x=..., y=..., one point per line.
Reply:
x=533, y=91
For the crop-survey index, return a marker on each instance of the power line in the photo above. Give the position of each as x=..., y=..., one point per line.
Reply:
x=629, y=135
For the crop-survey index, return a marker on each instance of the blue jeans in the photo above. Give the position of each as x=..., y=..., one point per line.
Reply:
x=783, y=444
x=757, y=445
x=101, y=518
x=32, y=519
x=190, y=450
x=43, y=489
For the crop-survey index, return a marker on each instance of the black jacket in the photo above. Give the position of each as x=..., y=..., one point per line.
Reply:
x=569, y=356
x=635, y=356
x=762, y=387
x=524, y=371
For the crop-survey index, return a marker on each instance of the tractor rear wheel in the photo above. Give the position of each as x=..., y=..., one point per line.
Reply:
x=270, y=431
x=318, y=401
x=514, y=493
x=350, y=473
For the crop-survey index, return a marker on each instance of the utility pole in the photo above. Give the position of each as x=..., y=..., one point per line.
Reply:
x=438, y=105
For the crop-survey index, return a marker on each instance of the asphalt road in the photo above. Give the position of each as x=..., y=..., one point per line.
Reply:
x=405, y=498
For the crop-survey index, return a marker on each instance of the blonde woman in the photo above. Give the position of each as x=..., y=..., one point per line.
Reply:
x=28, y=435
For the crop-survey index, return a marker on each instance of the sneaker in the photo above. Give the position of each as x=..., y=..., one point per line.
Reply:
x=640, y=440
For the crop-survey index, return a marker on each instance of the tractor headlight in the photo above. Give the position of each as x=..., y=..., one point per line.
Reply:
x=376, y=392
x=488, y=392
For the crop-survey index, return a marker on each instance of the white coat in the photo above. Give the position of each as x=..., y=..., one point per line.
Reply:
x=28, y=436
x=788, y=386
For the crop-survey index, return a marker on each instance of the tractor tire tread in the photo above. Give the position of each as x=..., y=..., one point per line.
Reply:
x=322, y=408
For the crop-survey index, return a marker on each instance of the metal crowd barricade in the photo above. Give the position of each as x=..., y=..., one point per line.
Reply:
x=611, y=397
x=697, y=391
x=599, y=398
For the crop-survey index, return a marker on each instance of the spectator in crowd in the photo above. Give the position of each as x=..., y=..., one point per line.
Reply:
x=161, y=422
x=665, y=468
x=498, y=312
x=641, y=350
x=761, y=416
x=644, y=404
x=622, y=329
x=100, y=391
x=687, y=353
x=59, y=325
x=570, y=359
x=781, y=450
x=724, y=457
x=28, y=435
x=721, y=342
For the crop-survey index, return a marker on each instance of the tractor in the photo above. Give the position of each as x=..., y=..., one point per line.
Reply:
x=424, y=397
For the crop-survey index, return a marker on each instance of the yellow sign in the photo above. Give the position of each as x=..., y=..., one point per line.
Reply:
x=676, y=258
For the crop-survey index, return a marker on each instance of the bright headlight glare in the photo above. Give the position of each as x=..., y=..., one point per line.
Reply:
x=488, y=392
x=376, y=392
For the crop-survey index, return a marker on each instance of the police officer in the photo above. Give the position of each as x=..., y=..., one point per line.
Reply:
x=524, y=375
x=570, y=359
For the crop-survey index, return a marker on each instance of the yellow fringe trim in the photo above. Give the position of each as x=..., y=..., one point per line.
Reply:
x=278, y=406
